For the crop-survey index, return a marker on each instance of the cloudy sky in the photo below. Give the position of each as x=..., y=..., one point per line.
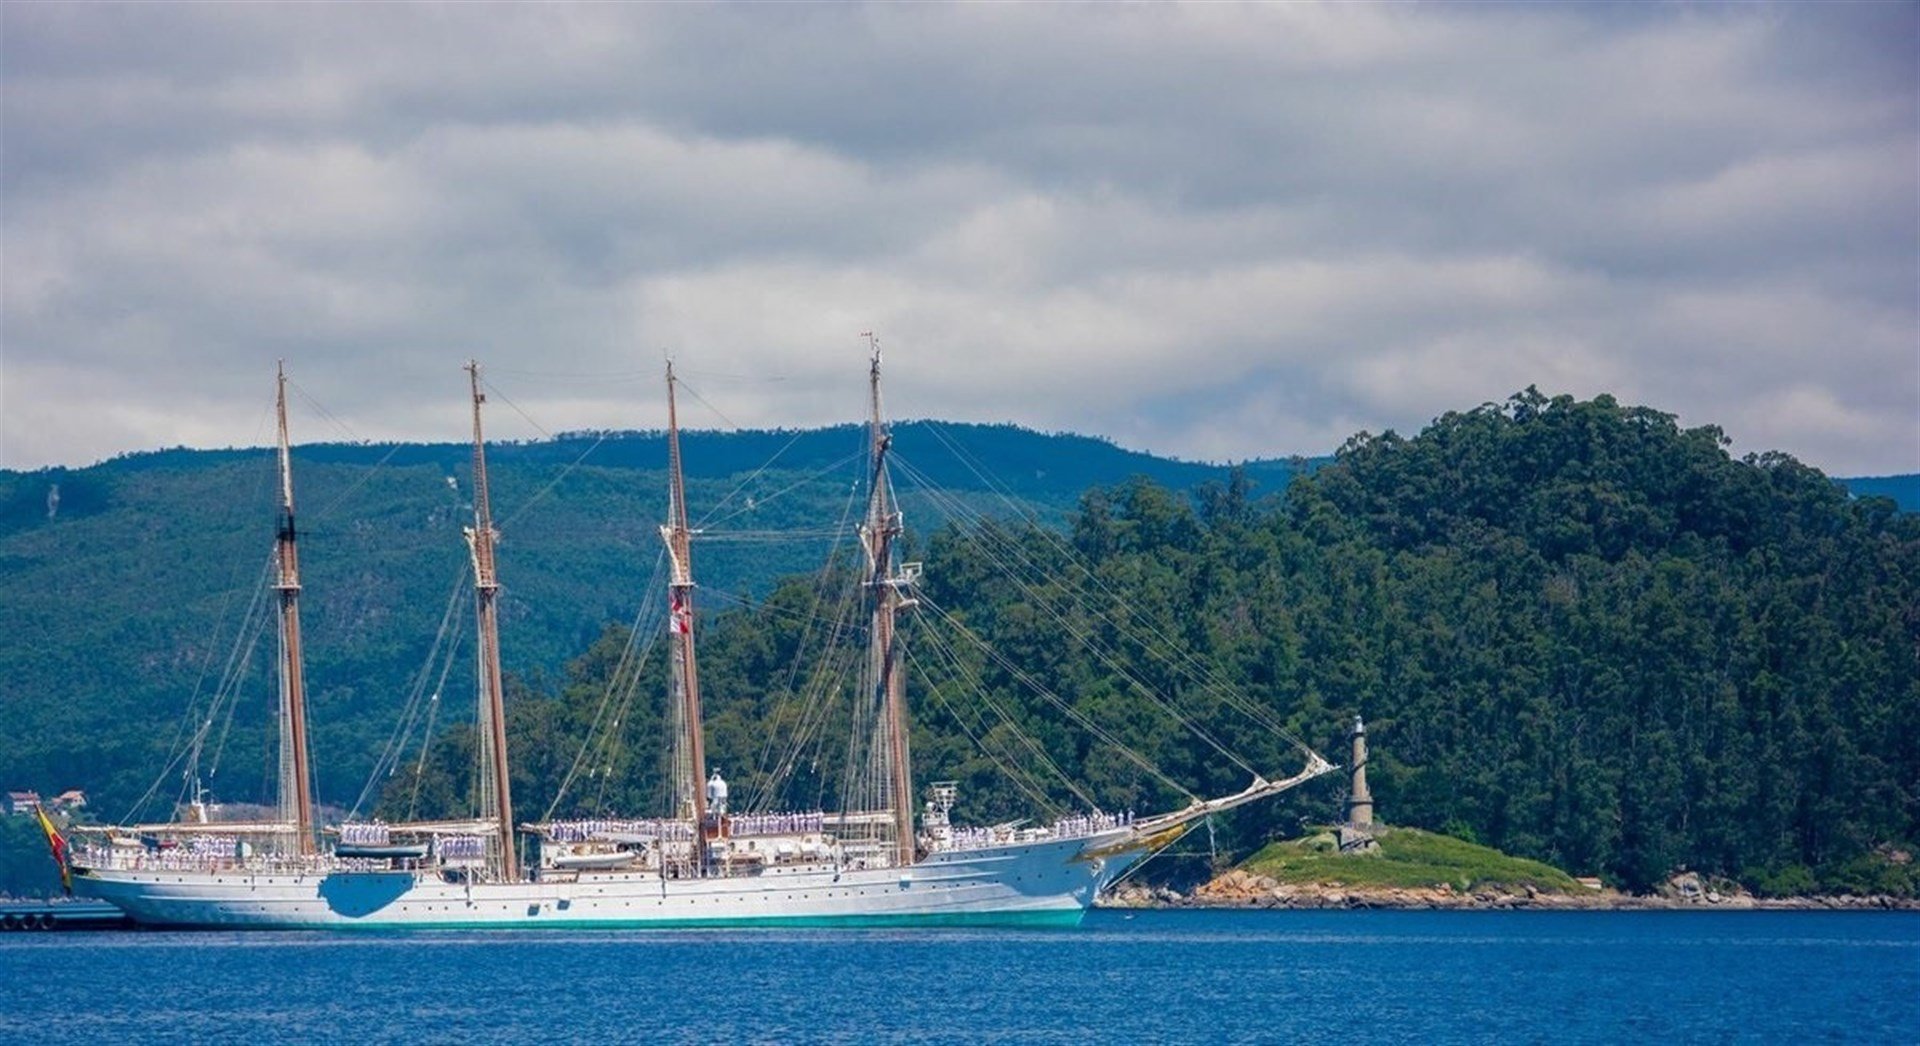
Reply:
x=1216, y=231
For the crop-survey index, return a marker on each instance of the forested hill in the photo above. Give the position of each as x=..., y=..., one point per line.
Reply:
x=1589, y=636
x=1578, y=632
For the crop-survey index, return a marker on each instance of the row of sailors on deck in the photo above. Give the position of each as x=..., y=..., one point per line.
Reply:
x=603, y=828
x=460, y=847
x=1065, y=828
x=777, y=824
x=371, y=833
x=1090, y=824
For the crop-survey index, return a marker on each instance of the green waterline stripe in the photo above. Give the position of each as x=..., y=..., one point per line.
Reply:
x=1063, y=917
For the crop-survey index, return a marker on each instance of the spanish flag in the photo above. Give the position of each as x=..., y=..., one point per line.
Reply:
x=58, y=845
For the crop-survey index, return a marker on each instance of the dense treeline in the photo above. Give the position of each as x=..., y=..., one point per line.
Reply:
x=1578, y=632
x=1593, y=637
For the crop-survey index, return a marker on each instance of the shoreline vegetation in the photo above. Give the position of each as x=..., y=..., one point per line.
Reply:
x=1411, y=869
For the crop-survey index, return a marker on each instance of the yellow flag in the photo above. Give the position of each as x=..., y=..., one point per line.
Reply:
x=58, y=845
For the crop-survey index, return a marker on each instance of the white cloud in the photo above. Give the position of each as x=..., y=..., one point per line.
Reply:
x=1212, y=230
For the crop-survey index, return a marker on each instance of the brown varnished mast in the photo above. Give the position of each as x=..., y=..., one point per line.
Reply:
x=883, y=525
x=486, y=589
x=679, y=539
x=293, y=687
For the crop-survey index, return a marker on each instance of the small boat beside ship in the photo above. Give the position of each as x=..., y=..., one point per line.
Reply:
x=884, y=859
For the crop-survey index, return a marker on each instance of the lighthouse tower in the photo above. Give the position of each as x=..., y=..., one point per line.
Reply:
x=1359, y=800
x=1357, y=832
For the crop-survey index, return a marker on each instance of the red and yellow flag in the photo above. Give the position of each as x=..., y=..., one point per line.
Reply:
x=58, y=844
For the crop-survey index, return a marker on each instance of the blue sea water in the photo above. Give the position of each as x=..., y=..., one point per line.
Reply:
x=1174, y=976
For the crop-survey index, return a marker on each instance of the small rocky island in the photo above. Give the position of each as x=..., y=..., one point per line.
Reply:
x=1361, y=863
x=1414, y=869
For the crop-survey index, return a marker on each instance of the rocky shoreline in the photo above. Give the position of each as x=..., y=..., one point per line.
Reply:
x=1244, y=890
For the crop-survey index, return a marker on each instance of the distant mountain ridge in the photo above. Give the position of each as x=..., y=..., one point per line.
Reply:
x=1904, y=490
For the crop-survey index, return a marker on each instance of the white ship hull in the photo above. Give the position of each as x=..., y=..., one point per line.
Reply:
x=1048, y=882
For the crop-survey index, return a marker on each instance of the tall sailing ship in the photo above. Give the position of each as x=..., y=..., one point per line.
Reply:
x=872, y=863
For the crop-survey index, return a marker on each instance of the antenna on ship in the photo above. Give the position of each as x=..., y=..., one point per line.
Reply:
x=496, y=798
x=295, y=777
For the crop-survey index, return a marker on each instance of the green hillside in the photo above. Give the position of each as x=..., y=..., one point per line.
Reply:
x=1407, y=858
x=1577, y=631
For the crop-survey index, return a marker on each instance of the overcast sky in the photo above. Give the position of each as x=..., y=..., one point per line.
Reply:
x=1209, y=230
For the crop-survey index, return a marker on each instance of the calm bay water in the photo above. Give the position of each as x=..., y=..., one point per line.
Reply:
x=1332, y=977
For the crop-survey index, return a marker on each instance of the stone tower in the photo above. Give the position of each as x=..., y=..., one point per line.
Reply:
x=1359, y=800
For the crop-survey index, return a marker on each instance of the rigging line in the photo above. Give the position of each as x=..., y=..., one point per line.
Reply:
x=366, y=476
x=985, y=695
x=1033, y=684
x=188, y=752
x=729, y=376
x=495, y=389
x=612, y=739
x=594, y=744
x=191, y=716
x=584, y=375
x=967, y=678
x=820, y=694
x=240, y=643
x=191, y=720
x=1111, y=660
x=544, y=491
x=206, y=663
x=396, y=741
x=742, y=485
x=766, y=537
x=1007, y=548
x=809, y=710
x=1018, y=778
x=647, y=623
x=233, y=697
x=227, y=693
x=815, y=614
x=426, y=733
x=621, y=672
x=1207, y=675
x=817, y=705
x=811, y=477
x=320, y=409
x=695, y=393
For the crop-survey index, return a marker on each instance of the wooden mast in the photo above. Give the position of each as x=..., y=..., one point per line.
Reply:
x=877, y=534
x=496, y=788
x=686, y=671
x=296, y=778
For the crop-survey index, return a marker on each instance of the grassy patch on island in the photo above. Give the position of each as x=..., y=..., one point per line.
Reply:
x=1408, y=858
